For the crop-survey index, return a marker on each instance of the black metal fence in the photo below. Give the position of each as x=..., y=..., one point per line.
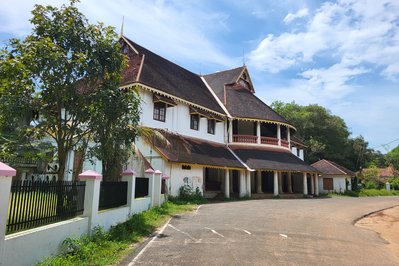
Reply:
x=112, y=194
x=37, y=203
x=141, y=189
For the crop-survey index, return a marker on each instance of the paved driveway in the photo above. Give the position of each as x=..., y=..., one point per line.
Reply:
x=272, y=232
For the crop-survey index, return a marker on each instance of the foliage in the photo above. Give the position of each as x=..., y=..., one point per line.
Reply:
x=68, y=70
x=392, y=157
x=188, y=194
x=394, y=183
x=368, y=193
x=327, y=136
x=105, y=248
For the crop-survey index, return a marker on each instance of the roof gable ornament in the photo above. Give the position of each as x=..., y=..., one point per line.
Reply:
x=244, y=80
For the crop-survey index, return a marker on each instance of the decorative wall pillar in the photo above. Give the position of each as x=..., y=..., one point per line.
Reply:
x=92, y=196
x=150, y=174
x=289, y=182
x=129, y=176
x=242, y=189
x=316, y=177
x=156, y=199
x=305, y=184
x=227, y=184
x=6, y=174
x=258, y=139
x=279, y=134
x=275, y=184
x=259, y=181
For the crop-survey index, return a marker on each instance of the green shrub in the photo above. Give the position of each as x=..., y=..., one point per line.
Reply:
x=377, y=192
x=351, y=193
x=370, y=184
x=187, y=195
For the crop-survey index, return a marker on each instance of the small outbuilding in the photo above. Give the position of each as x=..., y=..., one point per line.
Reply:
x=333, y=177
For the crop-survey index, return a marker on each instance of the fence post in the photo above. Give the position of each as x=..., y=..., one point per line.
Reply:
x=150, y=173
x=157, y=188
x=6, y=174
x=129, y=176
x=92, y=195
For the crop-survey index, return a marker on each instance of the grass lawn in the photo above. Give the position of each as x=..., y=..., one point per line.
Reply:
x=104, y=248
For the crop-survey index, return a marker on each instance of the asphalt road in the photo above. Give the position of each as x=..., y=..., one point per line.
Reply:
x=272, y=232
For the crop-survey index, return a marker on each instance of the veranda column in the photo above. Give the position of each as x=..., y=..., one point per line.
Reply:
x=258, y=181
x=280, y=183
x=289, y=182
x=279, y=134
x=258, y=132
x=275, y=183
x=248, y=179
x=227, y=184
x=242, y=184
x=231, y=181
x=92, y=196
x=305, y=184
x=316, y=184
x=311, y=184
x=6, y=174
x=129, y=176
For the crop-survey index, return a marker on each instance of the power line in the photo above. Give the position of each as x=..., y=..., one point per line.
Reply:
x=386, y=144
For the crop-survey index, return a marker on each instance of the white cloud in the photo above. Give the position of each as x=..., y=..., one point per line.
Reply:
x=299, y=14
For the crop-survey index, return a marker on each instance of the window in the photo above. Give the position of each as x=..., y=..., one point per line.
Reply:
x=186, y=167
x=194, y=123
x=211, y=126
x=159, y=111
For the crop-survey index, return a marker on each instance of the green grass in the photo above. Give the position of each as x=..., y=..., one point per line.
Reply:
x=104, y=248
x=367, y=193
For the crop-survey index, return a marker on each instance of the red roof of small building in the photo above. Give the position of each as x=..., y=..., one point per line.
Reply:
x=327, y=167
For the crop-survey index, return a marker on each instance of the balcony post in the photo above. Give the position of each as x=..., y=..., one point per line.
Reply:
x=258, y=140
x=230, y=130
x=279, y=134
x=289, y=138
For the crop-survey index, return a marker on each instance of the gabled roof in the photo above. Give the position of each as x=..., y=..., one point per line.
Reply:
x=182, y=149
x=163, y=75
x=240, y=102
x=271, y=159
x=327, y=167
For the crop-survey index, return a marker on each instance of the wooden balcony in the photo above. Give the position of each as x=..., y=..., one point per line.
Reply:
x=245, y=138
x=269, y=140
x=285, y=143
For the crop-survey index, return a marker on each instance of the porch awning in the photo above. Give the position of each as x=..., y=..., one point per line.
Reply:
x=186, y=150
x=267, y=159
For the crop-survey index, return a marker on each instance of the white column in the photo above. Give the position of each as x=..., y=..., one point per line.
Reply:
x=312, y=184
x=227, y=183
x=242, y=184
x=289, y=137
x=279, y=134
x=316, y=184
x=275, y=183
x=157, y=184
x=289, y=182
x=230, y=130
x=6, y=174
x=231, y=181
x=150, y=174
x=258, y=132
x=258, y=181
x=129, y=176
x=248, y=179
x=305, y=184
x=280, y=183
x=92, y=196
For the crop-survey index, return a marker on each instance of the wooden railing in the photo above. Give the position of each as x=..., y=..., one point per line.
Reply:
x=269, y=140
x=245, y=138
x=284, y=143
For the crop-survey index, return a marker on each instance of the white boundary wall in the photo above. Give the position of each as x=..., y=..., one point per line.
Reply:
x=31, y=246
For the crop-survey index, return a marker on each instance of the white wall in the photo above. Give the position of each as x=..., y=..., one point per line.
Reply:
x=178, y=120
x=141, y=204
x=294, y=150
x=195, y=177
x=339, y=183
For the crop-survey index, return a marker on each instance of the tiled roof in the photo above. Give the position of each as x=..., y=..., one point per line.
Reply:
x=182, y=149
x=240, y=102
x=267, y=159
x=161, y=74
x=387, y=172
x=330, y=168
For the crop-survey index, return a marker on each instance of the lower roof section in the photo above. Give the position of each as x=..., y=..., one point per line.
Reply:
x=267, y=159
x=182, y=149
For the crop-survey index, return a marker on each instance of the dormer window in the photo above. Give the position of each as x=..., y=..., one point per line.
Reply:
x=159, y=111
x=194, y=121
x=211, y=126
x=125, y=49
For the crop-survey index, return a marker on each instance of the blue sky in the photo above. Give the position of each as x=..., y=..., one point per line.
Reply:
x=343, y=55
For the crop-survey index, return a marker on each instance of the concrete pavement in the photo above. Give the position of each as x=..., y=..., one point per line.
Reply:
x=272, y=232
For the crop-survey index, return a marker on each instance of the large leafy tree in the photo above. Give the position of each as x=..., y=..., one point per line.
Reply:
x=327, y=136
x=69, y=70
x=392, y=158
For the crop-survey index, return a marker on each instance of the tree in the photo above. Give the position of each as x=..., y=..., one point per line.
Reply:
x=392, y=158
x=69, y=67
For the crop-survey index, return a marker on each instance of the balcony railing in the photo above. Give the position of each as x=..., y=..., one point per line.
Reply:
x=245, y=138
x=284, y=143
x=269, y=140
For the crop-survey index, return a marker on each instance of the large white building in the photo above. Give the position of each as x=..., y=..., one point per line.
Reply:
x=221, y=138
